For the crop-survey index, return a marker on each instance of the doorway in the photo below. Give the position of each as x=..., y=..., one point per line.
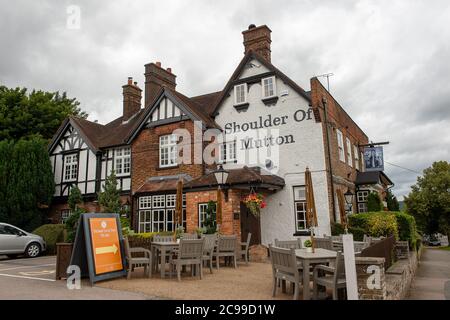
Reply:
x=250, y=224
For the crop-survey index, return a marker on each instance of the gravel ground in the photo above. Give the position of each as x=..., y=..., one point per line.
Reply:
x=252, y=282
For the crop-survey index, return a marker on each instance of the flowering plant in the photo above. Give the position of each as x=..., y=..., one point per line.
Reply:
x=255, y=202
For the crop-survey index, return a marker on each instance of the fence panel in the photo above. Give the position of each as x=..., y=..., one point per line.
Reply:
x=381, y=249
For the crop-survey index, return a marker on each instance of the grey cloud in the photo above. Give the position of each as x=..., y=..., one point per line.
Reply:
x=390, y=58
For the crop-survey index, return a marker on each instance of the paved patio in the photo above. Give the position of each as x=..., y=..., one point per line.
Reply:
x=252, y=282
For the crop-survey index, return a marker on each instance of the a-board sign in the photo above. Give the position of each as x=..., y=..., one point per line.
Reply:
x=98, y=249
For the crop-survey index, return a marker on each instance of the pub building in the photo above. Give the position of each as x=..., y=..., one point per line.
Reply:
x=272, y=131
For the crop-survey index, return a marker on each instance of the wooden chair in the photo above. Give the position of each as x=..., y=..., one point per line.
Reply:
x=160, y=238
x=333, y=277
x=208, y=249
x=132, y=262
x=190, y=253
x=324, y=243
x=288, y=244
x=243, y=248
x=189, y=236
x=284, y=268
x=226, y=247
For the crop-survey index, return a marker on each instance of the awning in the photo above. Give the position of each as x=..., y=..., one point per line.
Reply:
x=162, y=184
x=245, y=177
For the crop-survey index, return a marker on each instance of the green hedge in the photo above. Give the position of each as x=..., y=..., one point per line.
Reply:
x=52, y=234
x=337, y=229
x=407, y=228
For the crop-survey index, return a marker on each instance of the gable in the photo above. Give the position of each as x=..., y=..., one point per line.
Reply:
x=70, y=139
x=165, y=110
x=252, y=68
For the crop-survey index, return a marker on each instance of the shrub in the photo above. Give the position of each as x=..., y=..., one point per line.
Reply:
x=71, y=225
x=382, y=224
x=374, y=224
x=336, y=229
x=52, y=234
x=407, y=228
x=374, y=203
x=358, y=233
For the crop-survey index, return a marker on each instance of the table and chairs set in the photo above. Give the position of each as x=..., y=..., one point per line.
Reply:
x=299, y=266
x=170, y=256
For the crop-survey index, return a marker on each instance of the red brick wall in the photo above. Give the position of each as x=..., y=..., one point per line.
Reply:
x=229, y=224
x=145, y=155
x=337, y=118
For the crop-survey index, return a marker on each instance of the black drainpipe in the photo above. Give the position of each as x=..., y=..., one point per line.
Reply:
x=324, y=101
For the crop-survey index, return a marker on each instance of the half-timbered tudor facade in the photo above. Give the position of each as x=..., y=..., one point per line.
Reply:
x=259, y=109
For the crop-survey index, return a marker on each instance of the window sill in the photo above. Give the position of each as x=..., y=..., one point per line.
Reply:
x=270, y=100
x=241, y=107
x=301, y=233
x=168, y=167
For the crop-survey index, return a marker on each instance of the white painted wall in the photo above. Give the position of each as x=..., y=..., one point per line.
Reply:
x=278, y=218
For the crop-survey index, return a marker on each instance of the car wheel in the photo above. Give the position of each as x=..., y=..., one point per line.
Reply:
x=33, y=250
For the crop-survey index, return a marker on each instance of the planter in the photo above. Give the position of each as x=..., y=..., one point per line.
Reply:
x=309, y=249
x=63, y=255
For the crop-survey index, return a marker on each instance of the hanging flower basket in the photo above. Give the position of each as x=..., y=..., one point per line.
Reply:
x=255, y=202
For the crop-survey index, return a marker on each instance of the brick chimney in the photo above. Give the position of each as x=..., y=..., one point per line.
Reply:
x=132, y=95
x=257, y=39
x=155, y=78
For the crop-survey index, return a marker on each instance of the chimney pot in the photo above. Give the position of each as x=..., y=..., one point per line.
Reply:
x=257, y=39
x=158, y=64
x=169, y=70
x=135, y=83
x=130, y=80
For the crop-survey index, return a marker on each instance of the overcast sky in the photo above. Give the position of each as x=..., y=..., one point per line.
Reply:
x=390, y=59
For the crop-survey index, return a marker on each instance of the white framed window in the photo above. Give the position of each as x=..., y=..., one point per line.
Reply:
x=170, y=200
x=145, y=221
x=170, y=216
x=361, y=196
x=145, y=202
x=356, y=153
x=157, y=213
x=362, y=207
x=65, y=214
x=202, y=214
x=300, y=208
x=159, y=201
x=268, y=87
x=122, y=158
x=158, y=220
x=340, y=141
x=70, y=167
x=168, y=150
x=240, y=93
x=349, y=152
x=227, y=152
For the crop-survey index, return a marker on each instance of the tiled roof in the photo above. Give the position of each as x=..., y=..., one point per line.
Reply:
x=372, y=177
x=242, y=176
x=160, y=184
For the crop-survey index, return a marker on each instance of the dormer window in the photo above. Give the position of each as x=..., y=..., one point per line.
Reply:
x=240, y=93
x=268, y=87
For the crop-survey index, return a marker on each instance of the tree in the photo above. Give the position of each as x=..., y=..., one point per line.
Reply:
x=374, y=202
x=26, y=182
x=429, y=199
x=392, y=202
x=39, y=113
x=210, y=219
x=109, y=199
x=74, y=198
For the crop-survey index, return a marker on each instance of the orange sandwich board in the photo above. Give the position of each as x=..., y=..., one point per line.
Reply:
x=98, y=249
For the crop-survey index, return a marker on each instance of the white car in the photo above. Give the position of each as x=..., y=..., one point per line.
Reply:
x=14, y=242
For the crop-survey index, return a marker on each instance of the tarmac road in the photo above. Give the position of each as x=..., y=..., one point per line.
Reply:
x=34, y=279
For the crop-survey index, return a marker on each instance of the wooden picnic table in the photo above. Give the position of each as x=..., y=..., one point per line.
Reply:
x=320, y=256
x=164, y=248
